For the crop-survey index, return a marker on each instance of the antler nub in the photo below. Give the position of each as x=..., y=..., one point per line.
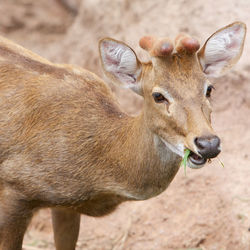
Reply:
x=163, y=47
x=147, y=42
x=156, y=47
x=186, y=43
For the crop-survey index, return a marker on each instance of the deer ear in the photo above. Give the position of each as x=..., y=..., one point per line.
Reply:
x=222, y=50
x=120, y=64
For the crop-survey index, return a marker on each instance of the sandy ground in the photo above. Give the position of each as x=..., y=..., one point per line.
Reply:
x=207, y=209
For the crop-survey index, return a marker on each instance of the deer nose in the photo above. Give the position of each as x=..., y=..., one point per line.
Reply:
x=208, y=147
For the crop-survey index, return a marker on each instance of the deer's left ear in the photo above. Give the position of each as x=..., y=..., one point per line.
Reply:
x=222, y=50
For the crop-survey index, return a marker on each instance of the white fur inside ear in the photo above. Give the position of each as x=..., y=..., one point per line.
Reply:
x=223, y=50
x=119, y=60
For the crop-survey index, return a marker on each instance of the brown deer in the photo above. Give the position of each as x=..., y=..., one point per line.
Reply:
x=66, y=144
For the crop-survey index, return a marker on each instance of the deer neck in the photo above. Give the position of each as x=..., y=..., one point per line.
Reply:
x=141, y=160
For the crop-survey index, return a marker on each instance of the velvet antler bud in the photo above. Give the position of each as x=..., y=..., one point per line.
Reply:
x=186, y=43
x=147, y=42
x=156, y=47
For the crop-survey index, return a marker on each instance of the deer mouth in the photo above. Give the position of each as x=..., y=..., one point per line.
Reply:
x=196, y=161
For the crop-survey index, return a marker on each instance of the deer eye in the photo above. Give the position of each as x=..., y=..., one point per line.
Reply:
x=159, y=98
x=209, y=90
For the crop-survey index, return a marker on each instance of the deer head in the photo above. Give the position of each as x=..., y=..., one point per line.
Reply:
x=175, y=85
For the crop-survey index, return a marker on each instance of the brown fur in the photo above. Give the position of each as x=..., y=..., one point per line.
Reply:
x=66, y=144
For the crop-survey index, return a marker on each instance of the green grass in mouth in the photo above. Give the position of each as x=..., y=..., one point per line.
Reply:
x=184, y=160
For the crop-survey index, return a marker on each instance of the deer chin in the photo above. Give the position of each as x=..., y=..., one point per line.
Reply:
x=195, y=161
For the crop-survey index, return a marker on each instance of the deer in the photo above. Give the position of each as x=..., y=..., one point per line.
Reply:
x=66, y=144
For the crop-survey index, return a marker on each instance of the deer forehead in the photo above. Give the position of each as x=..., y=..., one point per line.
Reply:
x=180, y=77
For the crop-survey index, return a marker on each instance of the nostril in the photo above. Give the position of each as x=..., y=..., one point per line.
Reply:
x=201, y=143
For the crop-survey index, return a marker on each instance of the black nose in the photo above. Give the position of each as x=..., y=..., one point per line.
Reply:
x=208, y=147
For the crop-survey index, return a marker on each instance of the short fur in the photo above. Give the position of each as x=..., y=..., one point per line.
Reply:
x=66, y=144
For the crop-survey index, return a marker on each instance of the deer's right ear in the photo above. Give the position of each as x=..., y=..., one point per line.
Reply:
x=120, y=64
x=223, y=49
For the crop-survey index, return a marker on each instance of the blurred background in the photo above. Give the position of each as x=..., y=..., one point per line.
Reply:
x=207, y=209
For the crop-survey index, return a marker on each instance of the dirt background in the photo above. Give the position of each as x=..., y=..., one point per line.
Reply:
x=208, y=209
